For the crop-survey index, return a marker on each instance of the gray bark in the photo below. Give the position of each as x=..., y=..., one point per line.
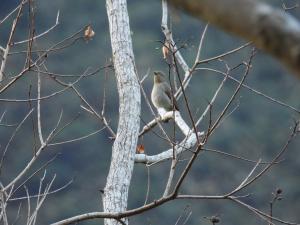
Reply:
x=117, y=185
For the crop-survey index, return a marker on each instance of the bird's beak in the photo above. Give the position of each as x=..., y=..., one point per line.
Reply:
x=155, y=73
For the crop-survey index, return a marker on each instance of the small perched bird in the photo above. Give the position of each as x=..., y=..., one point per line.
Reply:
x=161, y=95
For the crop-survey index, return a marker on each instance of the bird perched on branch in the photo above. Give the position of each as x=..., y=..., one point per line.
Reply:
x=161, y=95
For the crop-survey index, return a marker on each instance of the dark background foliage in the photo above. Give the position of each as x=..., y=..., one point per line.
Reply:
x=257, y=129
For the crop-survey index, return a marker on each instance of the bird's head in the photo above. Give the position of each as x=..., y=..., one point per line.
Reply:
x=159, y=77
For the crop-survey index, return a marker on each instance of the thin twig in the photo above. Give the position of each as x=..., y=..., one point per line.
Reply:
x=39, y=121
x=251, y=89
x=41, y=34
x=8, y=45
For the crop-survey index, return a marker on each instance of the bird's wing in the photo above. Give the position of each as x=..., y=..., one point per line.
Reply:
x=167, y=90
x=169, y=94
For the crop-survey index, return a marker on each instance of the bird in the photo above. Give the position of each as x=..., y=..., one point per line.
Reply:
x=161, y=95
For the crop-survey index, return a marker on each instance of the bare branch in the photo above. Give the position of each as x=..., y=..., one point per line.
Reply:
x=77, y=139
x=8, y=45
x=252, y=89
x=201, y=44
x=41, y=34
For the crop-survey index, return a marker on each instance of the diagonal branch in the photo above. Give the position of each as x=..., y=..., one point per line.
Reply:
x=270, y=29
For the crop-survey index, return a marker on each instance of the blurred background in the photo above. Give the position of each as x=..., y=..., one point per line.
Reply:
x=258, y=128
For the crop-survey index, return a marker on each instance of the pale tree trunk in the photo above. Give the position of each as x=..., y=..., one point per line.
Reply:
x=116, y=190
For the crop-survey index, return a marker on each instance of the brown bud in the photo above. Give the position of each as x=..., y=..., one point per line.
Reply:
x=278, y=191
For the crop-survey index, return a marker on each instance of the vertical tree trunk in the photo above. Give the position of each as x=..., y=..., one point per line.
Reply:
x=116, y=190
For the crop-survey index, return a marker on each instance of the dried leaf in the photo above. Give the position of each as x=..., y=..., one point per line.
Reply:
x=88, y=33
x=140, y=149
x=165, y=50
